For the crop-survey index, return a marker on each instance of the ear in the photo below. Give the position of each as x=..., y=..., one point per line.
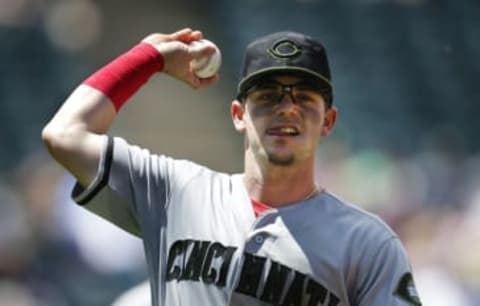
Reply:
x=329, y=120
x=237, y=111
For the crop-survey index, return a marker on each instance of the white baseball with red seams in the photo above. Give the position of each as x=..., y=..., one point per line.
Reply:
x=207, y=67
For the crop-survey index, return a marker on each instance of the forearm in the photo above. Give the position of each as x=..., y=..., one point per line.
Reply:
x=93, y=105
x=86, y=109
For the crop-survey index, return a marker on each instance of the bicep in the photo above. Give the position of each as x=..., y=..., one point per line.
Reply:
x=79, y=154
x=83, y=159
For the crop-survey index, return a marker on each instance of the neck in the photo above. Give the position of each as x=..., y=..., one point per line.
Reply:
x=280, y=185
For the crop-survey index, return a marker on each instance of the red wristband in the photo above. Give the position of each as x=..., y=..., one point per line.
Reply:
x=122, y=77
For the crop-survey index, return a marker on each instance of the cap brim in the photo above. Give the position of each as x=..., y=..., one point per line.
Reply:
x=246, y=82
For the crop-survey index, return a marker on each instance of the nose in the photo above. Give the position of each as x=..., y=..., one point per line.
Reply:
x=286, y=105
x=287, y=91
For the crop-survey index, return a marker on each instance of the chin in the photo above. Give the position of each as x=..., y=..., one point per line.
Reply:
x=281, y=160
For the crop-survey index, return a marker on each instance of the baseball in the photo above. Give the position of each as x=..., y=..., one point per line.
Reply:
x=207, y=66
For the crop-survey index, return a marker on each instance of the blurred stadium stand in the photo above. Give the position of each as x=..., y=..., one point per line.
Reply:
x=406, y=146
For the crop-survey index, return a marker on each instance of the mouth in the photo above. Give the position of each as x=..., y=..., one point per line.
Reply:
x=286, y=130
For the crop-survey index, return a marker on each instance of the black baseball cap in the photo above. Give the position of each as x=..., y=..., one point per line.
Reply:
x=286, y=52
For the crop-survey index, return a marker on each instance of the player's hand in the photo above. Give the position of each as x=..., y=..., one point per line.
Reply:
x=178, y=55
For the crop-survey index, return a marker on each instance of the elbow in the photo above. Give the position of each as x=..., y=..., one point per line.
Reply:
x=52, y=138
x=48, y=136
x=58, y=139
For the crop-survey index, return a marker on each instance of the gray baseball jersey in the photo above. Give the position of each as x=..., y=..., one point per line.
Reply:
x=204, y=245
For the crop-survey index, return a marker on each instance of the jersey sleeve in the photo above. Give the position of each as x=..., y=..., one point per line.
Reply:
x=385, y=277
x=133, y=187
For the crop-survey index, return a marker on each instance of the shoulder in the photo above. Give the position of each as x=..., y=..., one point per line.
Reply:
x=367, y=237
x=135, y=154
x=361, y=223
x=176, y=170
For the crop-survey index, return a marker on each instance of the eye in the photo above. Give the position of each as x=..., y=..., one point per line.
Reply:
x=305, y=97
x=305, y=94
x=264, y=95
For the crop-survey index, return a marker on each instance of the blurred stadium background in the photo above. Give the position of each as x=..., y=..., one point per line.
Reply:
x=406, y=76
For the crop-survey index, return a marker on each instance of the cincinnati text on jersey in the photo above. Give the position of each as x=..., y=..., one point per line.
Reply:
x=209, y=262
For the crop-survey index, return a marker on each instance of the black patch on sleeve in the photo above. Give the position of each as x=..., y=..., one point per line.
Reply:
x=406, y=290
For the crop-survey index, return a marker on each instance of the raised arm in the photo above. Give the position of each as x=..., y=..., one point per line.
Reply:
x=74, y=134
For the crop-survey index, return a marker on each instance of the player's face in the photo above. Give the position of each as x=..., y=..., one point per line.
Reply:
x=283, y=119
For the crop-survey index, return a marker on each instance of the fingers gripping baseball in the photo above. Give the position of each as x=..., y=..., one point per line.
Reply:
x=208, y=60
x=185, y=35
x=179, y=52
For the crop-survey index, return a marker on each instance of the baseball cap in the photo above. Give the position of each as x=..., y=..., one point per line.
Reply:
x=286, y=52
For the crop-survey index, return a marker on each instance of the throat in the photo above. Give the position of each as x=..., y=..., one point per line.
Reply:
x=265, y=196
x=279, y=185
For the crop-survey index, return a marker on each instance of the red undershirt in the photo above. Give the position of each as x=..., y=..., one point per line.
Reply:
x=259, y=207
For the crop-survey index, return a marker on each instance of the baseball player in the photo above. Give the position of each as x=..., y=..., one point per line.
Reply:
x=267, y=236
